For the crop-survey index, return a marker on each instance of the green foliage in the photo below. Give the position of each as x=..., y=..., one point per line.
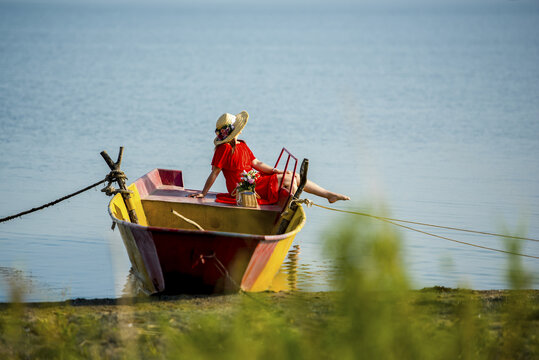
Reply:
x=373, y=314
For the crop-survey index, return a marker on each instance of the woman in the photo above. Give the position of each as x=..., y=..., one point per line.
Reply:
x=233, y=156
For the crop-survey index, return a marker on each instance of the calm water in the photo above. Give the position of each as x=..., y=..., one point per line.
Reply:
x=434, y=110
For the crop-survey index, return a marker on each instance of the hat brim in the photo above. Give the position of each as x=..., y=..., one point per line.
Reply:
x=239, y=124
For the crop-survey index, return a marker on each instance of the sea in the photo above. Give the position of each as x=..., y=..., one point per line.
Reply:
x=428, y=110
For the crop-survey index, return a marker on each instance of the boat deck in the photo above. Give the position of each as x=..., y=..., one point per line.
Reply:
x=178, y=194
x=167, y=185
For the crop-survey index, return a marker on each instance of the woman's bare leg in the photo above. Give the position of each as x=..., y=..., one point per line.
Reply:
x=312, y=188
x=287, y=181
x=315, y=189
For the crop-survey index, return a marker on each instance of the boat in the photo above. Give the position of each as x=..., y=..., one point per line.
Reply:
x=202, y=245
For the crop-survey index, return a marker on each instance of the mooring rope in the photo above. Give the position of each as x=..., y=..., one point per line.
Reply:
x=394, y=222
x=53, y=202
x=224, y=272
x=112, y=176
x=309, y=203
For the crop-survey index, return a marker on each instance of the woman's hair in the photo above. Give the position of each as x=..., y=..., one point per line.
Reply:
x=232, y=143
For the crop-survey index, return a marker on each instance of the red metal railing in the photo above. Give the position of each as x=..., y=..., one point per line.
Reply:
x=285, y=170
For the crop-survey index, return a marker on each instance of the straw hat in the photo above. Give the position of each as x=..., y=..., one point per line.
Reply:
x=228, y=126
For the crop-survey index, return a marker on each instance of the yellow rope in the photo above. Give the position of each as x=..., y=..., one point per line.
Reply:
x=392, y=221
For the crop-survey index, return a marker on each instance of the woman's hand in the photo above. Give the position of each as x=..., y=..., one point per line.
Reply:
x=277, y=171
x=209, y=182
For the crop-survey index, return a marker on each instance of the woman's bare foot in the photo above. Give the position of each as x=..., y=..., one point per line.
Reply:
x=335, y=197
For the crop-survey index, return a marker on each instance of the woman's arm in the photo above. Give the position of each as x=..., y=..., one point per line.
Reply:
x=209, y=182
x=265, y=168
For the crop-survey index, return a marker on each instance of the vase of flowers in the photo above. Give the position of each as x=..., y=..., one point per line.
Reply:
x=245, y=189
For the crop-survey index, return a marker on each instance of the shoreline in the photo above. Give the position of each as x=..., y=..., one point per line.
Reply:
x=208, y=297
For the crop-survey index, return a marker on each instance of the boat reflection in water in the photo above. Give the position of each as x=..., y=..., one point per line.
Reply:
x=287, y=277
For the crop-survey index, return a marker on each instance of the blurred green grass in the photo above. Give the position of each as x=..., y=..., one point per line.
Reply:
x=373, y=314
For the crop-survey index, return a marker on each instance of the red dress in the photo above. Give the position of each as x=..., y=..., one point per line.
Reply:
x=232, y=164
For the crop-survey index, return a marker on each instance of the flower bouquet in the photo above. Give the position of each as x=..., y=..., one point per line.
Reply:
x=245, y=189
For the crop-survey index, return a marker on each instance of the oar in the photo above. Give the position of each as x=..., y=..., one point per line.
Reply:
x=187, y=220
